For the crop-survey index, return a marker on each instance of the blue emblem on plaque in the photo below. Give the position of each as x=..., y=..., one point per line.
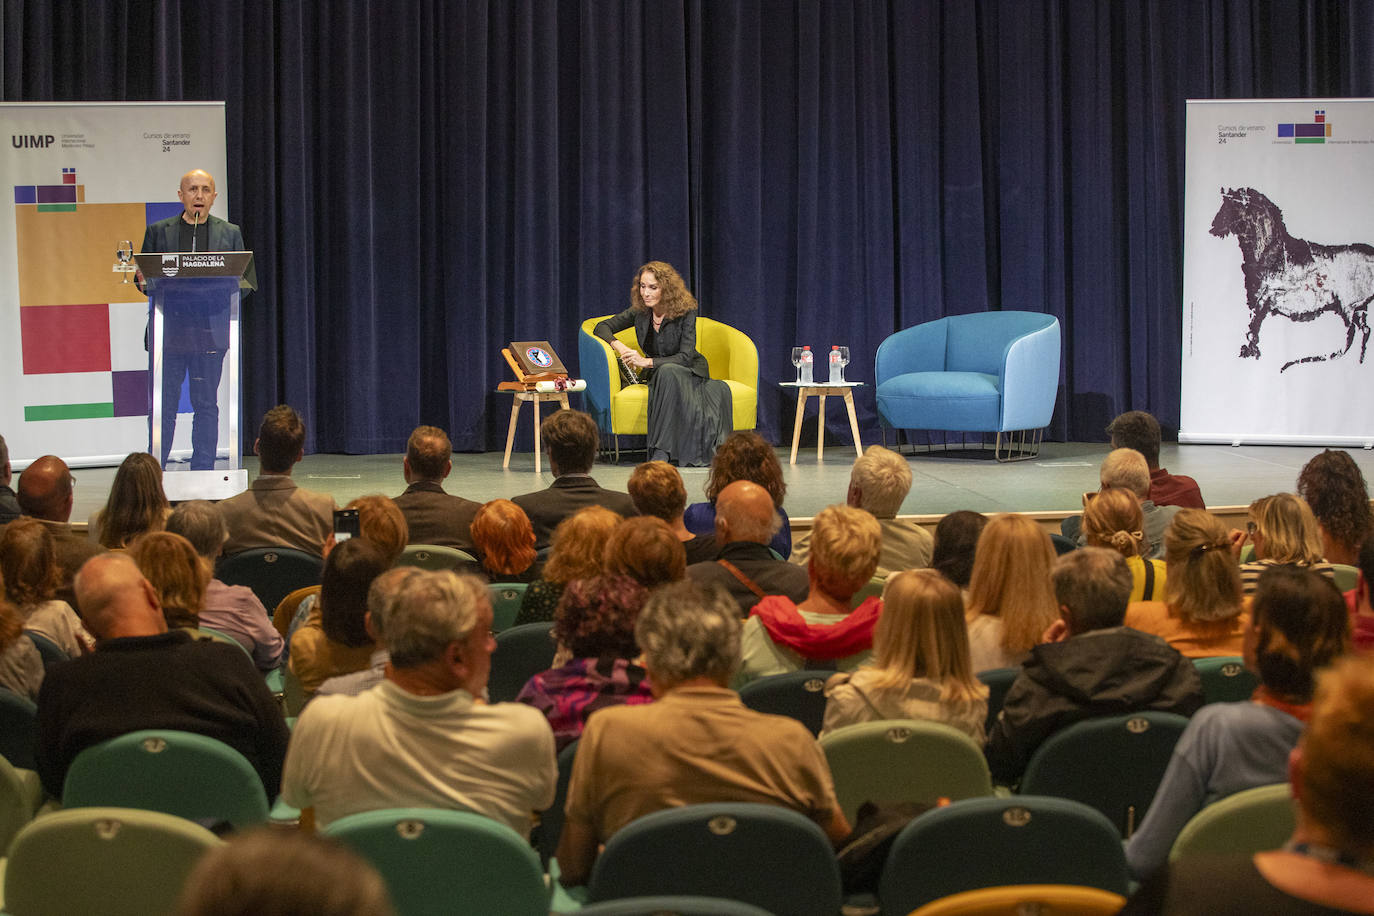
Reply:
x=539, y=357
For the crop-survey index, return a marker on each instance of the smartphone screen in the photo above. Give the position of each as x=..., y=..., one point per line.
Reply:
x=346, y=525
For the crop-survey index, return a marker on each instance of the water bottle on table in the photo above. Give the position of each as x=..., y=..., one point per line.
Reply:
x=807, y=367
x=836, y=366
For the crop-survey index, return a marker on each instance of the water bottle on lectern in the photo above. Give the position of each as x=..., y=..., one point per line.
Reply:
x=807, y=367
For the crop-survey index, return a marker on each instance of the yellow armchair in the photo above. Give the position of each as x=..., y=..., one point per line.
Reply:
x=623, y=410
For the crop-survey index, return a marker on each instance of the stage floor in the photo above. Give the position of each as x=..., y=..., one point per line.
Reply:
x=1053, y=482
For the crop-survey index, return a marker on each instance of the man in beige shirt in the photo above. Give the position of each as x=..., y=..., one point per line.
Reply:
x=696, y=743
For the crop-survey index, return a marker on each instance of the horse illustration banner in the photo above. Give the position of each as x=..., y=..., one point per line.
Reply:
x=1278, y=275
x=81, y=178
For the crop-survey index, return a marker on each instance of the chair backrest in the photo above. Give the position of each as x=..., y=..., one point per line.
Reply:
x=18, y=729
x=49, y=651
x=551, y=821
x=20, y=795
x=1113, y=763
x=440, y=862
x=174, y=772
x=1225, y=679
x=506, y=598
x=1347, y=577
x=1059, y=899
x=998, y=682
x=521, y=653
x=977, y=342
x=286, y=609
x=987, y=842
x=433, y=556
x=106, y=861
x=675, y=905
x=271, y=572
x=1250, y=821
x=214, y=635
x=898, y=760
x=729, y=352
x=797, y=694
x=766, y=855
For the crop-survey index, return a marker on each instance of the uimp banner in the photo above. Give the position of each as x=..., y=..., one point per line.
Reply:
x=79, y=179
x=1278, y=273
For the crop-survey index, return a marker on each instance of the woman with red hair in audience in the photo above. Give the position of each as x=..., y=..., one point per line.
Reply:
x=576, y=552
x=645, y=549
x=21, y=667
x=178, y=574
x=504, y=540
x=29, y=571
x=1010, y=597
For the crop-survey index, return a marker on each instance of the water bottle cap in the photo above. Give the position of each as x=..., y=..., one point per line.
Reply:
x=834, y=346
x=806, y=348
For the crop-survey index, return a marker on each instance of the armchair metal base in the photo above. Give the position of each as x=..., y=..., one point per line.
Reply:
x=1011, y=445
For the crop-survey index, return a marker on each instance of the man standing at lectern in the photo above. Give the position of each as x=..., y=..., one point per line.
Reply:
x=196, y=347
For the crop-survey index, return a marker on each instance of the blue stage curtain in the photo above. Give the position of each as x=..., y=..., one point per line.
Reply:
x=424, y=181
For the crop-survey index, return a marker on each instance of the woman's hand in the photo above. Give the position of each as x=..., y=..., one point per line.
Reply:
x=639, y=362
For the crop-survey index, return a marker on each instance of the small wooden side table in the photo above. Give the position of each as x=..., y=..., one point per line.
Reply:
x=822, y=391
x=533, y=397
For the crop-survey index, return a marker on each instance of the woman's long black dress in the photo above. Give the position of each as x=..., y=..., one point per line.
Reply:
x=690, y=413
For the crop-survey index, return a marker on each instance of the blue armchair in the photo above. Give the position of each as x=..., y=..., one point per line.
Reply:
x=986, y=372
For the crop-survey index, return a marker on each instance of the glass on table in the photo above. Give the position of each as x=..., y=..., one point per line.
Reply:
x=797, y=361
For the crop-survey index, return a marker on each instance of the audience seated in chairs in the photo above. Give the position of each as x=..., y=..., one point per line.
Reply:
x=334, y=639
x=1126, y=469
x=746, y=519
x=136, y=503
x=1334, y=488
x=1112, y=519
x=1202, y=614
x=782, y=635
x=697, y=742
x=657, y=490
x=269, y=872
x=142, y=676
x=1299, y=626
x=956, y=543
x=646, y=549
x=1088, y=665
x=273, y=511
x=21, y=667
x=28, y=563
x=878, y=483
x=747, y=456
x=230, y=609
x=1360, y=603
x=571, y=438
x=422, y=737
x=1138, y=430
x=1324, y=867
x=1284, y=531
x=46, y=494
x=596, y=623
x=921, y=667
x=505, y=545
x=579, y=547
x=432, y=515
x=380, y=595
x=1010, y=600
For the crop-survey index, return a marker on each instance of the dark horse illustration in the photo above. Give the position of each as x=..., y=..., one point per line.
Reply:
x=1296, y=279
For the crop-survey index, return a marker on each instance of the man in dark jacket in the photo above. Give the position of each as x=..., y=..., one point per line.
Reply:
x=1088, y=665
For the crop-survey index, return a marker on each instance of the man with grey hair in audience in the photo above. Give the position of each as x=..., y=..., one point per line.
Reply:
x=1126, y=469
x=745, y=567
x=696, y=743
x=423, y=737
x=382, y=592
x=230, y=609
x=1088, y=665
x=9, y=506
x=878, y=482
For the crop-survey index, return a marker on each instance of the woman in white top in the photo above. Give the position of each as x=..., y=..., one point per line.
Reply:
x=1010, y=598
x=921, y=667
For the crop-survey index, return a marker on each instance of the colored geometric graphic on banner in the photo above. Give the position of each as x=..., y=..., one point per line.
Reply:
x=1316, y=132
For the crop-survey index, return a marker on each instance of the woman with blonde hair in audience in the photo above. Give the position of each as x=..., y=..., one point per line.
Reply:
x=781, y=636
x=596, y=623
x=656, y=488
x=28, y=567
x=178, y=574
x=743, y=456
x=1283, y=530
x=1113, y=519
x=136, y=504
x=921, y=667
x=21, y=667
x=1010, y=597
x=1203, y=613
x=1335, y=490
x=576, y=552
x=1300, y=627
x=645, y=549
x=504, y=540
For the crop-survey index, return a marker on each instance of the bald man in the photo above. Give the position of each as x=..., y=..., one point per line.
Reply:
x=143, y=676
x=194, y=347
x=46, y=493
x=745, y=522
